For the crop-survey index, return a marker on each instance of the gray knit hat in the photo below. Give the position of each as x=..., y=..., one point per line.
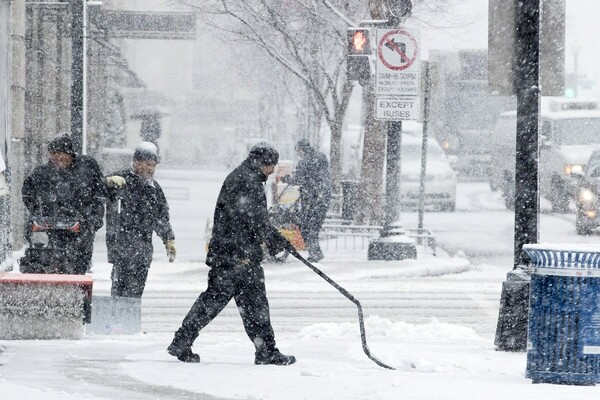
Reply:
x=146, y=151
x=303, y=144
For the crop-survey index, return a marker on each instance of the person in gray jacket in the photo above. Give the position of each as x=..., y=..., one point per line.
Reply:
x=313, y=177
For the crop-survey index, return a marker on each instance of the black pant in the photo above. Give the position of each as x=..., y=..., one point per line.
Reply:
x=246, y=285
x=129, y=278
x=310, y=225
x=85, y=247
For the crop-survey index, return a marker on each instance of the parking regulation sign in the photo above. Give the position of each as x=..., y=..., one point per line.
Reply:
x=397, y=62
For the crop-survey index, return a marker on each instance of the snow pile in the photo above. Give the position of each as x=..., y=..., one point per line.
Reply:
x=382, y=327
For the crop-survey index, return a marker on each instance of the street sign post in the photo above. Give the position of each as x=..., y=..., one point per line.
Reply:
x=397, y=80
x=397, y=75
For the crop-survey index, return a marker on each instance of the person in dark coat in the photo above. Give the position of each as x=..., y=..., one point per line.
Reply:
x=69, y=187
x=312, y=175
x=241, y=227
x=136, y=208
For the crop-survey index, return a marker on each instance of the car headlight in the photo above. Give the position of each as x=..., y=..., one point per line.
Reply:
x=573, y=168
x=586, y=195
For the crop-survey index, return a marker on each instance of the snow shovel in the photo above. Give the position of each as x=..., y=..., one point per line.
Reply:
x=363, y=335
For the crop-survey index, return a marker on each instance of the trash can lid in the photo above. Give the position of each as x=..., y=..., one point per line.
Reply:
x=563, y=247
x=561, y=259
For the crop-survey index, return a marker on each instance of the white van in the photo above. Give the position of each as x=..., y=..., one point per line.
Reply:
x=569, y=133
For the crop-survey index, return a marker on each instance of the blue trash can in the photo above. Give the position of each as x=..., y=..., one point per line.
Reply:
x=563, y=340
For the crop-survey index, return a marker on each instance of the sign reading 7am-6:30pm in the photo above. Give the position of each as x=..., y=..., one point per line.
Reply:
x=397, y=74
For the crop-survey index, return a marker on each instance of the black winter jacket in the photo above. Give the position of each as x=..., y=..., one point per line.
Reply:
x=241, y=223
x=133, y=213
x=312, y=175
x=75, y=192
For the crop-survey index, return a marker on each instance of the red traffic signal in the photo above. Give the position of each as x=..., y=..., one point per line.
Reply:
x=358, y=41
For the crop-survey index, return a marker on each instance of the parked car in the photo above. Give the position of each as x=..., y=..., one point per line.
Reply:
x=440, y=178
x=588, y=197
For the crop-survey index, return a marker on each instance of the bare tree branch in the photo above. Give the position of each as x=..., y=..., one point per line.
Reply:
x=339, y=14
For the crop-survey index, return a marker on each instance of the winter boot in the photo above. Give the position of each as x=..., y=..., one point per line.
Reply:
x=315, y=256
x=183, y=353
x=274, y=357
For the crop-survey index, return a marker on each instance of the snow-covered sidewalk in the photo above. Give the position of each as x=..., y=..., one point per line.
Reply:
x=451, y=360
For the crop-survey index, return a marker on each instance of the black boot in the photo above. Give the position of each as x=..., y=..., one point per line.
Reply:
x=274, y=357
x=183, y=352
x=315, y=256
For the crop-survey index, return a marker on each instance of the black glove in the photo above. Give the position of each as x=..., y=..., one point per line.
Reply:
x=286, y=179
x=287, y=245
x=278, y=243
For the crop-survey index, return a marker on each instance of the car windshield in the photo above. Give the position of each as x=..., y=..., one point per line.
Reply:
x=578, y=131
x=412, y=152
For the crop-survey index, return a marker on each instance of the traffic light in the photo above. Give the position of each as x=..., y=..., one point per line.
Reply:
x=358, y=41
x=359, y=49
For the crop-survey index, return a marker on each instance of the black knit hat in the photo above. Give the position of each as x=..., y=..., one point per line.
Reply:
x=303, y=144
x=146, y=151
x=264, y=153
x=61, y=143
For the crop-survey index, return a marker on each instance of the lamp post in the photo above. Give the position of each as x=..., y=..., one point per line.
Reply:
x=79, y=25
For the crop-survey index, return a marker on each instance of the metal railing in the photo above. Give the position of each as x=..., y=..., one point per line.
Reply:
x=424, y=238
x=338, y=233
x=343, y=234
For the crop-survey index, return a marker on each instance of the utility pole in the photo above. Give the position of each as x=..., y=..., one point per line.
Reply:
x=77, y=74
x=511, y=332
x=527, y=83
